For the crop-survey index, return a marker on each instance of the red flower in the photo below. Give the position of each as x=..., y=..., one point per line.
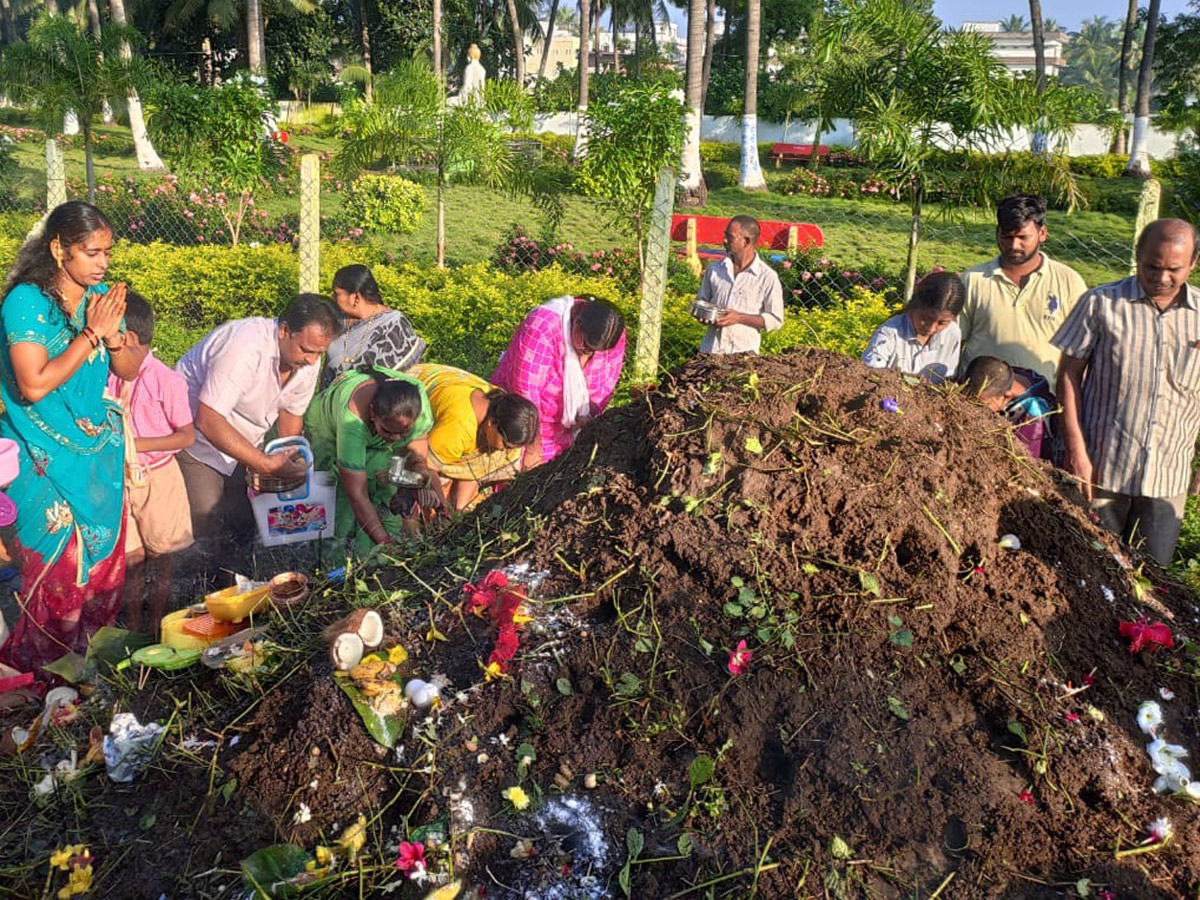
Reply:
x=495, y=579
x=1090, y=678
x=411, y=857
x=739, y=658
x=1071, y=716
x=506, y=645
x=1143, y=634
x=1026, y=796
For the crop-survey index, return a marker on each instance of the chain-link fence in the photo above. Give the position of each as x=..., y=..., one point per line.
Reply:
x=864, y=245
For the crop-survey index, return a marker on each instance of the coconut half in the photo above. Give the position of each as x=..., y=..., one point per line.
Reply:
x=346, y=651
x=353, y=636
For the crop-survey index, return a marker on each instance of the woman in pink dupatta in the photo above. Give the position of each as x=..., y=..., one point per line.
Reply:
x=565, y=358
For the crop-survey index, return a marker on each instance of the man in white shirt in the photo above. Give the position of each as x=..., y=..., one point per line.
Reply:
x=243, y=378
x=745, y=288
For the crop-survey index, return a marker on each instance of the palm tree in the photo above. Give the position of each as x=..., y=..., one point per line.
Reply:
x=1051, y=26
x=1015, y=22
x=750, y=175
x=546, y=41
x=256, y=54
x=62, y=68
x=1092, y=58
x=147, y=157
x=691, y=173
x=364, y=33
x=585, y=12
x=1131, y=21
x=226, y=14
x=518, y=42
x=1139, y=158
x=1039, y=43
x=710, y=37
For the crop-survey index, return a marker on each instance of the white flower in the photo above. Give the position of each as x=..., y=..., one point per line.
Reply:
x=1192, y=790
x=1149, y=717
x=421, y=875
x=1160, y=831
x=1164, y=756
x=1166, y=693
x=1108, y=593
x=1010, y=542
x=303, y=814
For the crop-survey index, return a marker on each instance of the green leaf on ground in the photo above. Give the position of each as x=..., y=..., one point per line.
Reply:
x=754, y=445
x=897, y=708
x=701, y=770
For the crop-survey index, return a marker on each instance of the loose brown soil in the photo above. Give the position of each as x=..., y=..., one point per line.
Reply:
x=910, y=678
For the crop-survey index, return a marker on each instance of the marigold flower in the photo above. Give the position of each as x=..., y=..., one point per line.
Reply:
x=78, y=882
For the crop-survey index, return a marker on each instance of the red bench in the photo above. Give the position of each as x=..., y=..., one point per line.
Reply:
x=797, y=153
x=695, y=231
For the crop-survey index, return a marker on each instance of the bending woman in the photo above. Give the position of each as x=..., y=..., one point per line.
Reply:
x=565, y=357
x=355, y=425
x=374, y=334
x=62, y=334
x=481, y=435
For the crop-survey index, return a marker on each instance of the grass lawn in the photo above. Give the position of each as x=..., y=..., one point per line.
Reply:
x=857, y=233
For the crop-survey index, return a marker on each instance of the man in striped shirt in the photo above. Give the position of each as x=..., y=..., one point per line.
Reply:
x=1129, y=384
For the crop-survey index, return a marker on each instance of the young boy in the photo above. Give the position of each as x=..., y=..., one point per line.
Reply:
x=1021, y=395
x=159, y=420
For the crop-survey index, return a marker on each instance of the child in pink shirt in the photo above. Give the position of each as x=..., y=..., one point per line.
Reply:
x=158, y=424
x=565, y=358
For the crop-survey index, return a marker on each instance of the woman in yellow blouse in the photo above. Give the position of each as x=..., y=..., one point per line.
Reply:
x=481, y=434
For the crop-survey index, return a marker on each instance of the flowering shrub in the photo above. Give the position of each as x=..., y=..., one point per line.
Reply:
x=806, y=182
x=144, y=210
x=521, y=253
x=812, y=279
x=384, y=203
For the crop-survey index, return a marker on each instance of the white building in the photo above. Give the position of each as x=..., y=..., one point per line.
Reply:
x=1014, y=49
x=564, y=47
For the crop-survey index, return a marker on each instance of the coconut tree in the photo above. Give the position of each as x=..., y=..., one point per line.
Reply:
x=147, y=158
x=1014, y=22
x=1131, y=22
x=750, y=175
x=585, y=21
x=62, y=67
x=518, y=36
x=710, y=38
x=1092, y=58
x=691, y=174
x=547, y=39
x=913, y=89
x=1139, y=158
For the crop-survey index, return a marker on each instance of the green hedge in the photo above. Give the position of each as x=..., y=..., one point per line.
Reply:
x=467, y=314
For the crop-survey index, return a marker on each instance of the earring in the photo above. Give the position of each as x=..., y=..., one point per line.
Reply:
x=59, y=258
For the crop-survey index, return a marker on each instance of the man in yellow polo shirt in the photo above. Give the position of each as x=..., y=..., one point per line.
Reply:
x=1016, y=302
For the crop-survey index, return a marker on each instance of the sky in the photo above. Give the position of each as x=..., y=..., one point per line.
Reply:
x=1067, y=12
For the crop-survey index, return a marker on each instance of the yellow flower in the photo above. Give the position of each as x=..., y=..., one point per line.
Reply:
x=61, y=859
x=521, y=616
x=79, y=882
x=397, y=655
x=324, y=855
x=354, y=837
x=492, y=671
x=516, y=796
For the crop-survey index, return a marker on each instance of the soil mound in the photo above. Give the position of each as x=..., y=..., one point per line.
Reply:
x=922, y=705
x=917, y=710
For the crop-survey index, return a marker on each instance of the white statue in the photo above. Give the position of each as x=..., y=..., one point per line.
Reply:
x=474, y=76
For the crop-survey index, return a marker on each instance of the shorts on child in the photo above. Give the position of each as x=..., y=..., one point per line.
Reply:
x=159, y=516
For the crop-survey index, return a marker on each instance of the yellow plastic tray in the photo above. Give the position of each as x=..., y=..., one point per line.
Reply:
x=229, y=606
